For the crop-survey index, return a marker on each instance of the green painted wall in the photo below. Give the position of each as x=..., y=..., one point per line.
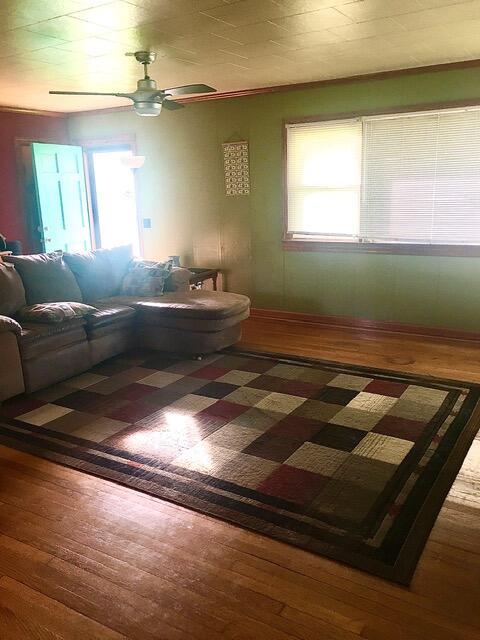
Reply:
x=181, y=189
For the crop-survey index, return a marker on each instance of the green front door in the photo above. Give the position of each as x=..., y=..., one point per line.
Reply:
x=61, y=197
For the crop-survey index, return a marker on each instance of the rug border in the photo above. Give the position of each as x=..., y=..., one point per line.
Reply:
x=416, y=540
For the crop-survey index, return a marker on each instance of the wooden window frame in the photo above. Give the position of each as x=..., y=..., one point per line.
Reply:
x=290, y=243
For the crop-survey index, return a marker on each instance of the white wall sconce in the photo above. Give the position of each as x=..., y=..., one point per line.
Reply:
x=133, y=162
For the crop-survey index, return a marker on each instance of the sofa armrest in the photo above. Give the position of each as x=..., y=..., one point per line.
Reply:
x=178, y=280
x=9, y=324
x=11, y=374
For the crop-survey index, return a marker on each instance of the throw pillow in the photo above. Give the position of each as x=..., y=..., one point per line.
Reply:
x=54, y=312
x=178, y=280
x=100, y=273
x=146, y=278
x=46, y=278
x=12, y=292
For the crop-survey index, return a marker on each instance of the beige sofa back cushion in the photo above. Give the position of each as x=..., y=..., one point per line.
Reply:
x=46, y=278
x=100, y=273
x=12, y=292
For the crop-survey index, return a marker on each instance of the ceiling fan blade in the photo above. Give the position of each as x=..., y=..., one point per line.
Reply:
x=85, y=93
x=190, y=88
x=171, y=105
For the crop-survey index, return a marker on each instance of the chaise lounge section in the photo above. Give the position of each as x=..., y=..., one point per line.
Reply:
x=42, y=353
x=193, y=322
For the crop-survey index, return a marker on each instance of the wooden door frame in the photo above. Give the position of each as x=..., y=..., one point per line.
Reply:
x=90, y=145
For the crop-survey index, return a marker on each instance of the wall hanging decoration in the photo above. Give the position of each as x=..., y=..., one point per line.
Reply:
x=236, y=168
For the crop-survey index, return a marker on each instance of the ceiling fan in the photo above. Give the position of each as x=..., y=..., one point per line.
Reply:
x=147, y=99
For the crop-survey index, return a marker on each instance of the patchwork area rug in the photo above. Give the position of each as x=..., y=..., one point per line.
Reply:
x=343, y=461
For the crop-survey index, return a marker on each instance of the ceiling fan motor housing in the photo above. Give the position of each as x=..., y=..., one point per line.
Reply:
x=146, y=84
x=147, y=101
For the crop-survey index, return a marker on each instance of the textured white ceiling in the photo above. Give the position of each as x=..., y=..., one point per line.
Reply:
x=231, y=45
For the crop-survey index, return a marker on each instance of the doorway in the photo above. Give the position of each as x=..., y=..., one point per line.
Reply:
x=113, y=197
x=77, y=197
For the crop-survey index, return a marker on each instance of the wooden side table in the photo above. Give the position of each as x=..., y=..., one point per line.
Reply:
x=201, y=274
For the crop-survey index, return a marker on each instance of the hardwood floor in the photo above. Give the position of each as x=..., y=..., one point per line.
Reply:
x=83, y=558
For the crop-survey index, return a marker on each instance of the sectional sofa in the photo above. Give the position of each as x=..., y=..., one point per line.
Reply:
x=38, y=354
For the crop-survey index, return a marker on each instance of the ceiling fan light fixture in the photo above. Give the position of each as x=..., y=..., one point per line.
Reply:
x=147, y=99
x=147, y=108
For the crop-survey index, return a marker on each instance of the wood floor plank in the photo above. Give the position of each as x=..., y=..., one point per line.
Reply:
x=432, y=609
x=310, y=591
x=202, y=593
x=15, y=626
x=79, y=554
x=93, y=597
x=56, y=617
x=150, y=586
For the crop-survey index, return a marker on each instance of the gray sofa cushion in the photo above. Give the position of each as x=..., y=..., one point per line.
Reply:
x=108, y=314
x=100, y=273
x=38, y=339
x=54, y=312
x=46, y=278
x=12, y=292
x=197, y=305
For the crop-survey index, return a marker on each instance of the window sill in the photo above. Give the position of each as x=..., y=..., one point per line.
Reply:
x=452, y=250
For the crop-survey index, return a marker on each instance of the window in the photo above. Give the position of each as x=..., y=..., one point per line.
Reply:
x=403, y=179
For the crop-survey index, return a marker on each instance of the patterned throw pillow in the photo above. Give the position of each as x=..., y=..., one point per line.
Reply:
x=54, y=312
x=146, y=278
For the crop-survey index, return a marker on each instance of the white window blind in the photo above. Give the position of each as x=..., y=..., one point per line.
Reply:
x=422, y=178
x=324, y=178
x=404, y=178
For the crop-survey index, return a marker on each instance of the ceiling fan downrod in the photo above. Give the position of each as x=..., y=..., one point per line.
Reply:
x=144, y=57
